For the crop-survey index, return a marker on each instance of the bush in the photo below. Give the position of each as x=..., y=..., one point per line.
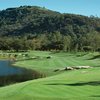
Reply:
x=87, y=48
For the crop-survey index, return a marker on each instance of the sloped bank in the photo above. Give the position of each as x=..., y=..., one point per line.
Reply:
x=10, y=74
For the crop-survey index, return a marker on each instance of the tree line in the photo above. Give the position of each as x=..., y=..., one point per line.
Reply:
x=52, y=41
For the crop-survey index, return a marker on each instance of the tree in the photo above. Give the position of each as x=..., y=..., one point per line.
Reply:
x=66, y=43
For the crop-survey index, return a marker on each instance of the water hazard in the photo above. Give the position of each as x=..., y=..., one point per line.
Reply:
x=10, y=74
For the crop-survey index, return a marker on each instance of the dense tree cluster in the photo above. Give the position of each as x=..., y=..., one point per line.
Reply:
x=38, y=28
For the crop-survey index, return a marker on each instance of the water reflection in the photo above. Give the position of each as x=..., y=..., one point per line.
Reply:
x=10, y=74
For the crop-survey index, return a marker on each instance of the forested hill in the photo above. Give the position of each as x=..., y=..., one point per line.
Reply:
x=35, y=27
x=35, y=20
x=27, y=20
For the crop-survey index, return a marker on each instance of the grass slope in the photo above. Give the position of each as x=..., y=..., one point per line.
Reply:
x=69, y=85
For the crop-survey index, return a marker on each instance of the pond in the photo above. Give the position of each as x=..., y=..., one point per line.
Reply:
x=10, y=74
x=7, y=69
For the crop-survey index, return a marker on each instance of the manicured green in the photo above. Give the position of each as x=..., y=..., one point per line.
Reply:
x=83, y=84
x=58, y=60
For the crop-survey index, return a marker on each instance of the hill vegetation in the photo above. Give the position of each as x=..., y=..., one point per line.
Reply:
x=36, y=28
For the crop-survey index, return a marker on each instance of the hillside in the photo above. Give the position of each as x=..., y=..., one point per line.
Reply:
x=22, y=20
x=36, y=28
x=35, y=20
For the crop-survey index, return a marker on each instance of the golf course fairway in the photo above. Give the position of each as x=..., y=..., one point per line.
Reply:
x=82, y=84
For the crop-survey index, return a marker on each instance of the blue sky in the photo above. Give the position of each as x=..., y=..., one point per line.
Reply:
x=83, y=7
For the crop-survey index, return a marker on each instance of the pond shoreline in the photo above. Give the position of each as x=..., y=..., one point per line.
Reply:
x=24, y=75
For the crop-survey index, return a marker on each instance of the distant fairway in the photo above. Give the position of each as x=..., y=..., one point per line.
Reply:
x=58, y=60
x=83, y=84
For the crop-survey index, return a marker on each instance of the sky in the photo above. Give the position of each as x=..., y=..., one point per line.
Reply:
x=82, y=7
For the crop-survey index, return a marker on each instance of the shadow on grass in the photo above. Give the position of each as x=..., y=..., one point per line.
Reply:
x=97, y=66
x=95, y=96
x=92, y=83
x=81, y=55
x=94, y=57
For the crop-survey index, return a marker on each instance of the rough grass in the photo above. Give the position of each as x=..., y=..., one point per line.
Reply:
x=68, y=85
